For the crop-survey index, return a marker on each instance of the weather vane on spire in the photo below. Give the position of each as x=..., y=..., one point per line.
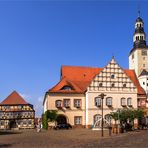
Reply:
x=139, y=9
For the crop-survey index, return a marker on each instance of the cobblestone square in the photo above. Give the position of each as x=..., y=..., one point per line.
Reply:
x=75, y=138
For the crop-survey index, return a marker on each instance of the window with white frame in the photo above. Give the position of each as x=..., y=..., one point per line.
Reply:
x=77, y=103
x=58, y=103
x=97, y=101
x=67, y=103
x=123, y=102
x=78, y=120
x=97, y=117
x=109, y=101
x=129, y=101
x=108, y=117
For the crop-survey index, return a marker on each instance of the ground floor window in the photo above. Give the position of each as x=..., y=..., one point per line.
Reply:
x=1, y=122
x=30, y=122
x=78, y=120
x=97, y=117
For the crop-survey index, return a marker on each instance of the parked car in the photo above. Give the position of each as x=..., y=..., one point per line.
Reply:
x=63, y=126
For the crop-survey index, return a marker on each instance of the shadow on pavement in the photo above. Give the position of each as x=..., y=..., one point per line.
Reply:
x=5, y=145
x=9, y=132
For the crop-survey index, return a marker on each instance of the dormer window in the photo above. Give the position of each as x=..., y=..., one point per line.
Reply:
x=66, y=88
x=58, y=103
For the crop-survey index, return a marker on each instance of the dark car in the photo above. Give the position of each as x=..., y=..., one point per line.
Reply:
x=63, y=126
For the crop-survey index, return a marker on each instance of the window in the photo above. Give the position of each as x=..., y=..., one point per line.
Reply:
x=77, y=103
x=97, y=101
x=78, y=120
x=1, y=122
x=100, y=85
x=58, y=103
x=124, y=85
x=97, y=118
x=109, y=101
x=143, y=58
x=108, y=118
x=143, y=65
x=112, y=76
x=132, y=56
x=29, y=121
x=19, y=107
x=66, y=88
x=67, y=103
x=129, y=101
x=112, y=85
x=144, y=52
x=143, y=83
x=123, y=102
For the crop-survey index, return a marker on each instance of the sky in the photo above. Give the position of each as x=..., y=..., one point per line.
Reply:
x=37, y=37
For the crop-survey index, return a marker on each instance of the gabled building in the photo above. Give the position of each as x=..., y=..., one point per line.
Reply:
x=76, y=96
x=15, y=112
x=77, y=99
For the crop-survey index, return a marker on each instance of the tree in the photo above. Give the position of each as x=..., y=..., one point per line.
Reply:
x=127, y=116
x=49, y=116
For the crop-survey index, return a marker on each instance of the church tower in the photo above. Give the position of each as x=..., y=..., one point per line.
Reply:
x=138, y=57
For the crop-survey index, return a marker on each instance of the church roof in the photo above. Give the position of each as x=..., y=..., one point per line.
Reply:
x=79, y=78
x=143, y=73
x=13, y=99
x=139, y=19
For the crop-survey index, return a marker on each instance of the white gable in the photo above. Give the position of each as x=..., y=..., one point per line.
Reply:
x=112, y=78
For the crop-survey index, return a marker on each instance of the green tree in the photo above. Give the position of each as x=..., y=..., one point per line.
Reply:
x=49, y=116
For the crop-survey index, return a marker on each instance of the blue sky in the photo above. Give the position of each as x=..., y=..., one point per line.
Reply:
x=37, y=37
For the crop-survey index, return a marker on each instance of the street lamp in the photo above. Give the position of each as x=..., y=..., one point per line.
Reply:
x=102, y=95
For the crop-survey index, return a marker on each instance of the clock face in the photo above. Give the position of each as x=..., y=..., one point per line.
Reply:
x=144, y=52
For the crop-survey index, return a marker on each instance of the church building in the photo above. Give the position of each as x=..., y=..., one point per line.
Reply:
x=77, y=98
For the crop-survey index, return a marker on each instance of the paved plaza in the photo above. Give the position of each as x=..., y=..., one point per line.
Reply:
x=74, y=138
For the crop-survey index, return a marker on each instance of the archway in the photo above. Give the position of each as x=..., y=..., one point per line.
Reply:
x=12, y=124
x=61, y=119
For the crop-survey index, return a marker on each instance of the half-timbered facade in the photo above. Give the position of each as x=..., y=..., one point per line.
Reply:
x=15, y=112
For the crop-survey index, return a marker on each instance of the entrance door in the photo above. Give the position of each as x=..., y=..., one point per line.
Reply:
x=61, y=119
x=13, y=124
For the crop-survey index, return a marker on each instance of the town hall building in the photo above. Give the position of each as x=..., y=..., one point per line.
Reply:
x=76, y=96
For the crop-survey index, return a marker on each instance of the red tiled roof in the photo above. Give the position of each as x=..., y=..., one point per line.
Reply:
x=13, y=99
x=77, y=77
x=133, y=77
x=80, y=78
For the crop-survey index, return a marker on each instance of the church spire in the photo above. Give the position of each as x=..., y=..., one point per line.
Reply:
x=139, y=37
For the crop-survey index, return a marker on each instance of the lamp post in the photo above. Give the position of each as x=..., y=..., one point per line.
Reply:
x=102, y=95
